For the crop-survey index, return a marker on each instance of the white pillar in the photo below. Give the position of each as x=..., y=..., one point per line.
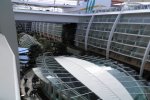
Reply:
x=87, y=31
x=47, y=28
x=144, y=59
x=36, y=28
x=8, y=28
x=53, y=31
x=7, y=25
x=8, y=53
x=32, y=26
x=9, y=85
x=43, y=28
x=40, y=28
x=112, y=32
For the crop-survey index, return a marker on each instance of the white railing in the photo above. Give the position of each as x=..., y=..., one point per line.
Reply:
x=101, y=10
x=116, y=9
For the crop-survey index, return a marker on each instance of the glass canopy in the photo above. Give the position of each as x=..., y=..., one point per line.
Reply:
x=73, y=88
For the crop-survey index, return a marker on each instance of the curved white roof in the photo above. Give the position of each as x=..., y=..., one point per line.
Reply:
x=96, y=78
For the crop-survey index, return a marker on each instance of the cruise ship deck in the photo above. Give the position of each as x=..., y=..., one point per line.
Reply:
x=121, y=33
x=116, y=31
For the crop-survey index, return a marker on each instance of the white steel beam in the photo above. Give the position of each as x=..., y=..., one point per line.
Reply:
x=47, y=28
x=87, y=31
x=82, y=94
x=74, y=88
x=113, y=29
x=144, y=59
x=9, y=87
x=36, y=29
x=68, y=82
x=43, y=24
x=39, y=23
x=40, y=16
x=7, y=27
x=112, y=32
x=9, y=62
x=32, y=26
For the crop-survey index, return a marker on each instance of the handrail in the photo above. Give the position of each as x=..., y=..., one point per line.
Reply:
x=116, y=9
x=101, y=10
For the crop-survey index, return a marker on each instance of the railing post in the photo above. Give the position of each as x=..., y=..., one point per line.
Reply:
x=144, y=59
x=87, y=31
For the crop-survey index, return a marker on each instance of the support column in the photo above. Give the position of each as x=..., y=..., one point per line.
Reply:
x=77, y=41
x=47, y=28
x=7, y=25
x=144, y=59
x=36, y=26
x=87, y=31
x=32, y=26
x=112, y=33
x=43, y=28
x=53, y=32
x=9, y=85
x=40, y=27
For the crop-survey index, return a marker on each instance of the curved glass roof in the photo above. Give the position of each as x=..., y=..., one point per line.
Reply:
x=63, y=81
x=66, y=82
x=128, y=77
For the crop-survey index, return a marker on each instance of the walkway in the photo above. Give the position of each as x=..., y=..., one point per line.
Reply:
x=29, y=75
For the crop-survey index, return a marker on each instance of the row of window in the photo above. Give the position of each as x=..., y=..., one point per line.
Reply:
x=131, y=38
x=49, y=28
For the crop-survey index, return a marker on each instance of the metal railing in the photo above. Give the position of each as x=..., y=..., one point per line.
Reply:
x=116, y=9
x=101, y=10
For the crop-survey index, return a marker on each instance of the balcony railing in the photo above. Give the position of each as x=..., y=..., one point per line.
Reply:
x=101, y=10
x=116, y=9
